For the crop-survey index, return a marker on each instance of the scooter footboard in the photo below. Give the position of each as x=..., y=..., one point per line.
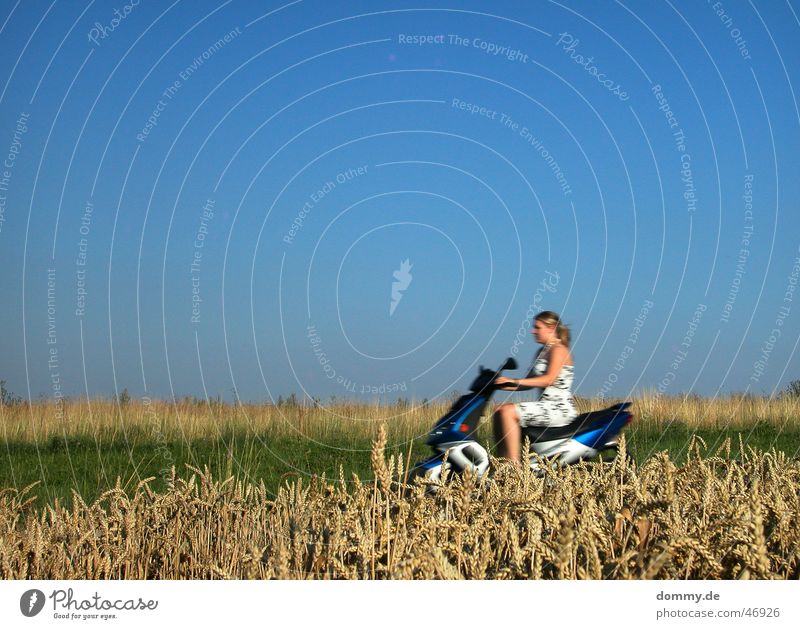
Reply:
x=466, y=455
x=561, y=451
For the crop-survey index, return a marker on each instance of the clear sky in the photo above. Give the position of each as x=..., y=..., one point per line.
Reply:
x=359, y=198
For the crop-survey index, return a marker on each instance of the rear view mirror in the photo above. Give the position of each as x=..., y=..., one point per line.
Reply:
x=510, y=364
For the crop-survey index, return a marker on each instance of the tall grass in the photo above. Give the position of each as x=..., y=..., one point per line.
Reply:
x=187, y=421
x=40, y=422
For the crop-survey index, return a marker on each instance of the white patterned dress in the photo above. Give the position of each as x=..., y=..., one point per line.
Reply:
x=555, y=405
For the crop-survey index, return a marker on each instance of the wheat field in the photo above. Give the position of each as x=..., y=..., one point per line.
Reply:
x=713, y=517
x=728, y=510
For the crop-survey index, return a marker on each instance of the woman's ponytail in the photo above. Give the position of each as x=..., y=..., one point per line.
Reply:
x=562, y=332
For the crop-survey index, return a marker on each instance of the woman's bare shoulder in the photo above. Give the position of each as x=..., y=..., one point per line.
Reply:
x=561, y=351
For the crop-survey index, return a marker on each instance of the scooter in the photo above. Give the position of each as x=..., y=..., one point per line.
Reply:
x=453, y=437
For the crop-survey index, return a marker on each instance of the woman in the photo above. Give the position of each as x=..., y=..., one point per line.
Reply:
x=552, y=373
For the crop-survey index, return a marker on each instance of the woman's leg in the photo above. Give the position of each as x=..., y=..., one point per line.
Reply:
x=507, y=433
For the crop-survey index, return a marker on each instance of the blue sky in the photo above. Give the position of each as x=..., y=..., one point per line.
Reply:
x=205, y=196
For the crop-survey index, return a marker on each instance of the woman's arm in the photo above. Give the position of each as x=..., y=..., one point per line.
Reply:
x=558, y=356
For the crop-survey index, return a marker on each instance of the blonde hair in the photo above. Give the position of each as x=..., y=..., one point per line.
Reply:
x=551, y=318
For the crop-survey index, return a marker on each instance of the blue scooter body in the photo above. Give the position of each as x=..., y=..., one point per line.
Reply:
x=453, y=436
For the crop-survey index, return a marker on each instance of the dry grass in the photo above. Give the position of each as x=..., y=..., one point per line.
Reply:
x=732, y=411
x=186, y=421
x=711, y=518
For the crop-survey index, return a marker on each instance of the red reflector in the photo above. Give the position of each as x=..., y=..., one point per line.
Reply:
x=464, y=428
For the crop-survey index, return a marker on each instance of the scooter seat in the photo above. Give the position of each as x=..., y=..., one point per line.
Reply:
x=582, y=423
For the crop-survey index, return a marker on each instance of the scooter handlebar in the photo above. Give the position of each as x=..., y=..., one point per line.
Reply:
x=511, y=364
x=486, y=377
